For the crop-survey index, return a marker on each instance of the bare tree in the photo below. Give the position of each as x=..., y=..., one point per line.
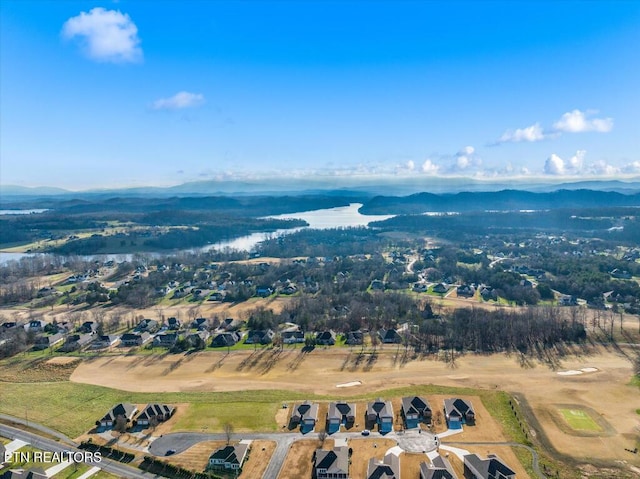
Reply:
x=322, y=436
x=228, y=431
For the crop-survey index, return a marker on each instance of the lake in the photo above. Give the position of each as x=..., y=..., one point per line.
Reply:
x=340, y=217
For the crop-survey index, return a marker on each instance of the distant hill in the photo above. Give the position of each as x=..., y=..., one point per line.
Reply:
x=499, y=200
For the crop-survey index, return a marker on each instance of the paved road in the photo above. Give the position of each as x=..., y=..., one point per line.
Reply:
x=45, y=444
x=534, y=455
x=38, y=427
x=181, y=441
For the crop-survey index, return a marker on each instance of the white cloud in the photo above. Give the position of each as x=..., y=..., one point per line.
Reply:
x=530, y=133
x=180, y=100
x=577, y=121
x=633, y=167
x=576, y=162
x=467, y=150
x=466, y=158
x=107, y=35
x=411, y=165
x=430, y=167
x=554, y=165
x=601, y=168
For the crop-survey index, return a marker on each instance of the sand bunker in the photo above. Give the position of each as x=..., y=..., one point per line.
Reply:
x=349, y=385
x=571, y=372
x=576, y=372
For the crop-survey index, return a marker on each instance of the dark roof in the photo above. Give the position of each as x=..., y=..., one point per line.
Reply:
x=458, y=406
x=156, y=409
x=230, y=454
x=388, y=468
x=415, y=404
x=334, y=461
x=488, y=468
x=380, y=408
x=339, y=409
x=122, y=409
x=440, y=468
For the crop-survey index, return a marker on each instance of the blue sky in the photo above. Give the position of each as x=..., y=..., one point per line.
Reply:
x=156, y=93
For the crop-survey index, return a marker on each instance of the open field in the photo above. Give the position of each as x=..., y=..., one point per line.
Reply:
x=299, y=460
x=605, y=390
x=579, y=420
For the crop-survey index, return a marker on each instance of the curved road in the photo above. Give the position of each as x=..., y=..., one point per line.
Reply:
x=45, y=444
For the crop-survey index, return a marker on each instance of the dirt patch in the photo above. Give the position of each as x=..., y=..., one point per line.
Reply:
x=410, y=464
x=63, y=360
x=17, y=370
x=197, y=456
x=365, y=449
x=167, y=426
x=258, y=459
x=299, y=460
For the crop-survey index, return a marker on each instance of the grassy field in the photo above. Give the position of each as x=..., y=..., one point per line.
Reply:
x=579, y=420
x=73, y=408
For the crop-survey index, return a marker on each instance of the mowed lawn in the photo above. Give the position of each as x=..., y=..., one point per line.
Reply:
x=73, y=408
x=579, y=420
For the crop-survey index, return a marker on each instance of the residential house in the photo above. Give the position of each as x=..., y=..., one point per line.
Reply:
x=125, y=410
x=378, y=285
x=88, y=327
x=165, y=340
x=305, y=415
x=229, y=324
x=259, y=336
x=488, y=293
x=620, y=274
x=48, y=341
x=199, y=324
x=353, y=338
x=440, y=288
x=225, y=340
x=75, y=342
x=289, y=289
x=217, y=296
x=229, y=457
x=197, y=339
x=525, y=283
x=147, y=325
x=34, y=473
x=174, y=324
x=458, y=412
x=264, y=291
x=36, y=325
x=567, y=300
x=106, y=341
x=135, y=339
x=293, y=337
x=490, y=468
x=381, y=413
x=388, y=468
x=420, y=287
x=415, y=410
x=9, y=324
x=390, y=336
x=440, y=468
x=155, y=413
x=326, y=338
x=340, y=413
x=465, y=290
x=333, y=464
